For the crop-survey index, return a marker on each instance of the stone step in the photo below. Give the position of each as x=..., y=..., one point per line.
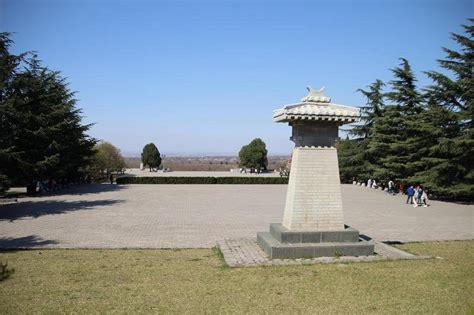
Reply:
x=277, y=250
x=283, y=235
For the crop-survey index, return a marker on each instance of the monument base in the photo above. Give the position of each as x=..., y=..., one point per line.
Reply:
x=283, y=243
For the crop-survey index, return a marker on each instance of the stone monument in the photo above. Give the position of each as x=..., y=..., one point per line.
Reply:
x=313, y=221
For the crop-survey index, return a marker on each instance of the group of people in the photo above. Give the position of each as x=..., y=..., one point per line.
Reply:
x=256, y=170
x=371, y=183
x=417, y=196
x=53, y=185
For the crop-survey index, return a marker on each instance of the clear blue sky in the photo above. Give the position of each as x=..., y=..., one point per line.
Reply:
x=204, y=76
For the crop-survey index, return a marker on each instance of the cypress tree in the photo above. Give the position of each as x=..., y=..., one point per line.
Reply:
x=151, y=156
x=254, y=154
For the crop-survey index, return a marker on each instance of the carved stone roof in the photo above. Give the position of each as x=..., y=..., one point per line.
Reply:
x=316, y=106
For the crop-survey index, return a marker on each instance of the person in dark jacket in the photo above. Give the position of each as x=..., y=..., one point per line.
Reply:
x=410, y=192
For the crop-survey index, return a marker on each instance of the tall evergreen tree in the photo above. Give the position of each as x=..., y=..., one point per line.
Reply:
x=424, y=138
x=397, y=144
x=354, y=160
x=43, y=137
x=151, y=156
x=451, y=111
x=8, y=66
x=372, y=110
x=404, y=91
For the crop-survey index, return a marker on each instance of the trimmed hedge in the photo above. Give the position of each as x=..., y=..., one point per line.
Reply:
x=203, y=180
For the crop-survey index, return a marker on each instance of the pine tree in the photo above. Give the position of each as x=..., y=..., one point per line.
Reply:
x=371, y=111
x=354, y=160
x=423, y=138
x=8, y=65
x=437, y=122
x=451, y=111
x=404, y=91
x=397, y=144
x=43, y=137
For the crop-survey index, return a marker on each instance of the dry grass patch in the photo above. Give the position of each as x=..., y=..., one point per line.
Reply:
x=193, y=280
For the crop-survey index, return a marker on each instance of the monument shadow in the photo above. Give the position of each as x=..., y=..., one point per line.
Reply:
x=86, y=189
x=27, y=242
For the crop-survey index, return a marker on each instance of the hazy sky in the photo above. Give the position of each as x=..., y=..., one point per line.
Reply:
x=203, y=77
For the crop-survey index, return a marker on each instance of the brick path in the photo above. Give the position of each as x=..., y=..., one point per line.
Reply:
x=164, y=216
x=245, y=252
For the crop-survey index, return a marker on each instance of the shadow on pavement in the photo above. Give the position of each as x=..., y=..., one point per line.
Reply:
x=82, y=189
x=35, y=209
x=89, y=189
x=393, y=242
x=30, y=241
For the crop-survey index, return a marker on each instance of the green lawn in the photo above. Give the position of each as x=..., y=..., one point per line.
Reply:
x=194, y=280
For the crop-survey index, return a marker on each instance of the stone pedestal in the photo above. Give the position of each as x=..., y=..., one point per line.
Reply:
x=282, y=243
x=313, y=200
x=313, y=221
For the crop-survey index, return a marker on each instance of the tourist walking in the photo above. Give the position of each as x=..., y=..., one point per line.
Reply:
x=424, y=198
x=374, y=184
x=416, y=197
x=111, y=177
x=391, y=187
x=410, y=192
x=419, y=195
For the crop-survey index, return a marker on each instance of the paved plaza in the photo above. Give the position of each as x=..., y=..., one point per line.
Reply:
x=190, y=216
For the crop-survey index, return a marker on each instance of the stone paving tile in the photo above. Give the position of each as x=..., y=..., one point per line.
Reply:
x=245, y=252
x=391, y=252
x=197, y=216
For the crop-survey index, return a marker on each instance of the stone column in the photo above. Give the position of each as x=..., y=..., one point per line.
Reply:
x=313, y=200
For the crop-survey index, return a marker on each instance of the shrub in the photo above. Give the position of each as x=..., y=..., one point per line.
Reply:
x=203, y=180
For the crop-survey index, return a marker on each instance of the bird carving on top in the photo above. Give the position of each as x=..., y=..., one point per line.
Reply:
x=316, y=95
